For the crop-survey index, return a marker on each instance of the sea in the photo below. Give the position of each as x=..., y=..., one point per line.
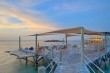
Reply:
x=10, y=64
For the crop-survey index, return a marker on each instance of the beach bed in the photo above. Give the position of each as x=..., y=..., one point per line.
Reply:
x=22, y=54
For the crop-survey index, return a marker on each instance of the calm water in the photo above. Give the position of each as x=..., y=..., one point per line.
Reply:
x=9, y=64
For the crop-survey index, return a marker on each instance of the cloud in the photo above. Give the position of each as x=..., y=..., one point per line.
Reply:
x=5, y=19
x=31, y=22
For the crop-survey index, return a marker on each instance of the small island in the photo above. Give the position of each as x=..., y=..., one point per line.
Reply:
x=54, y=41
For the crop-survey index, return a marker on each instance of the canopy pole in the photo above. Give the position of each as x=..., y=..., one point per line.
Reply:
x=82, y=44
x=66, y=39
x=36, y=46
x=19, y=42
x=105, y=43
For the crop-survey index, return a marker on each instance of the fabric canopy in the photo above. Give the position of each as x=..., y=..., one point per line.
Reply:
x=75, y=31
x=42, y=34
x=72, y=30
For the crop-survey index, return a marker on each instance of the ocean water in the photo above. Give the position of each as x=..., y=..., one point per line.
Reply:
x=9, y=63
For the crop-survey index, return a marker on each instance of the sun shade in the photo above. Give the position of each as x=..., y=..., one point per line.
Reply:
x=72, y=30
x=75, y=31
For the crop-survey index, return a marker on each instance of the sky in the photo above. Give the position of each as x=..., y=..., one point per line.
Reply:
x=25, y=17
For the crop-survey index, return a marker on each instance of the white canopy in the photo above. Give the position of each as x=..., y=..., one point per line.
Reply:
x=72, y=30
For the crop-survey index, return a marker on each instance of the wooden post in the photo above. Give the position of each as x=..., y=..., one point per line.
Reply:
x=19, y=42
x=36, y=46
x=26, y=60
x=66, y=40
x=36, y=49
x=82, y=44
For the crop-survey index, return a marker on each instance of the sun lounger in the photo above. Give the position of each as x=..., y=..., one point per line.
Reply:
x=23, y=53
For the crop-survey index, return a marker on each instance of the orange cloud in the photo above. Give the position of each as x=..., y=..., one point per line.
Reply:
x=29, y=23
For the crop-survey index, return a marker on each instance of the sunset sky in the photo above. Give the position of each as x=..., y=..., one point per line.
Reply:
x=25, y=17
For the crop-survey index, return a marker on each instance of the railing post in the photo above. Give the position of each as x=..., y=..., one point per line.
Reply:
x=82, y=44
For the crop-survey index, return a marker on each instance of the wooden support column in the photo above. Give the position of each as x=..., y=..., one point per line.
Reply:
x=36, y=49
x=19, y=42
x=26, y=60
x=82, y=44
x=65, y=39
x=36, y=45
